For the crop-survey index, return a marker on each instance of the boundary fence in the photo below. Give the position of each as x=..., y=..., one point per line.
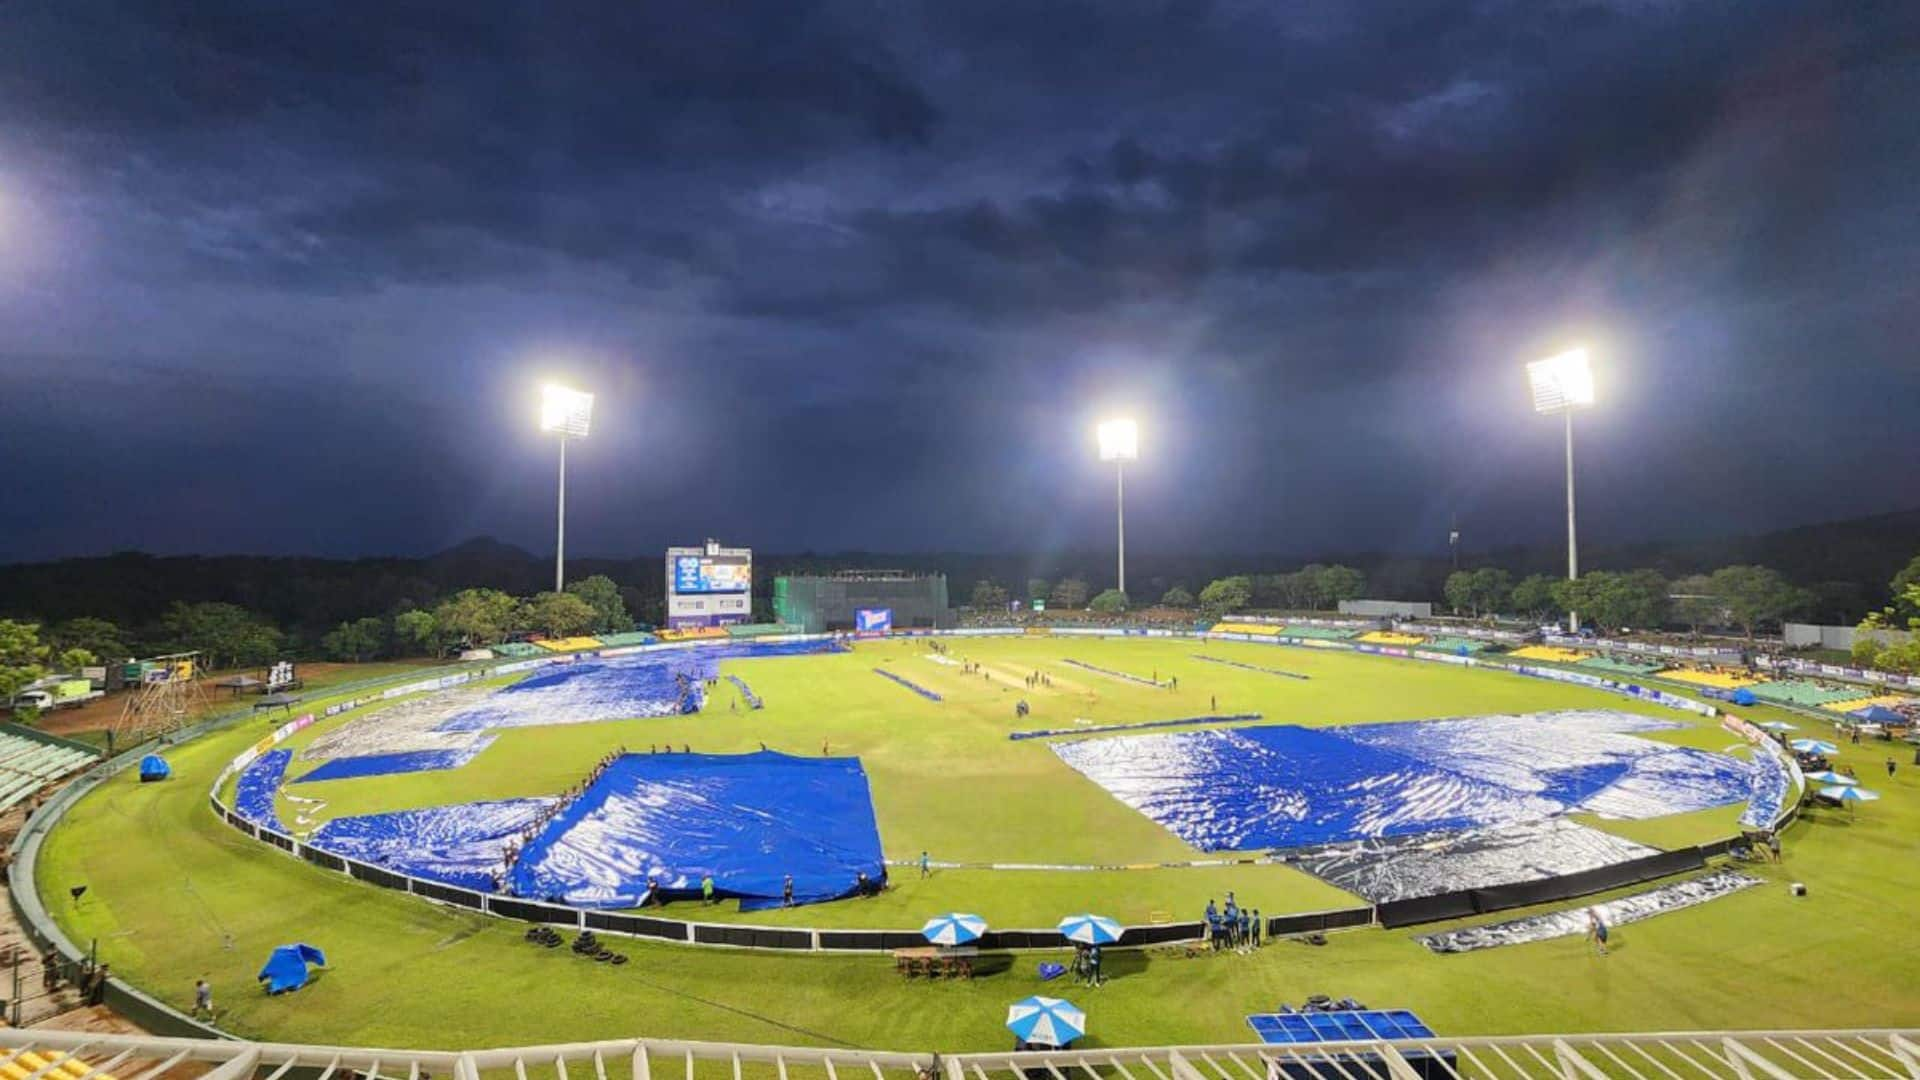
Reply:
x=1859, y=1054
x=736, y=935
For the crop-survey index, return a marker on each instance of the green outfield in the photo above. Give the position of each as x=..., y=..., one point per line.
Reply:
x=175, y=893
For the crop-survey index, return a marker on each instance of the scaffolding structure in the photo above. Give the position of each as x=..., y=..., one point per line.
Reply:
x=166, y=695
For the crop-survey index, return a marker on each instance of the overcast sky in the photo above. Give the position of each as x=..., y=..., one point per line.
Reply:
x=283, y=278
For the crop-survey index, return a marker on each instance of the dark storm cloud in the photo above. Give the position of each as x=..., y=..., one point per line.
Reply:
x=777, y=234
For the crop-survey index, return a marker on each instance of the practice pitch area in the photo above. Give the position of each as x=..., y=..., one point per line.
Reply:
x=1041, y=776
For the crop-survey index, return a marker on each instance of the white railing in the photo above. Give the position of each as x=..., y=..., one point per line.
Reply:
x=1863, y=1054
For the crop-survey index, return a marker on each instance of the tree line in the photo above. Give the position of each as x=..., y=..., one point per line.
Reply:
x=230, y=636
x=1313, y=587
x=1748, y=598
x=1744, y=597
x=1889, y=639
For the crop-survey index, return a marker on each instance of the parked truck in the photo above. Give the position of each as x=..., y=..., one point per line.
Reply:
x=60, y=692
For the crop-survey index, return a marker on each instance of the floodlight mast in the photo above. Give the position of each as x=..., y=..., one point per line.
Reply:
x=569, y=413
x=1561, y=384
x=1120, y=443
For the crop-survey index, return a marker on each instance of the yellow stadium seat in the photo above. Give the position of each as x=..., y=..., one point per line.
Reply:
x=1552, y=654
x=1855, y=705
x=1719, y=679
x=569, y=644
x=1387, y=637
x=60, y=1066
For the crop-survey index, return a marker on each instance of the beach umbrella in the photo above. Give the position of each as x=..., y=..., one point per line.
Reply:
x=956, y=928
x=1849, y=794
x=1814, y=746
x=1047, y=1021
x=1778, y=725
x=1828, y=776
x=1091, y=929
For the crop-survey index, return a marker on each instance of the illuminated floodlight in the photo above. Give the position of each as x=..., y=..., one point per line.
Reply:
x=565, y=410
x=569, y=413
x=1561, y=382
x=1119, y=440
x=1120, y=443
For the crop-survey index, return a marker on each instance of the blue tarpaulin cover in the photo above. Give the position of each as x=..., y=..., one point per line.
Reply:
x=346, y=768
x=286, y=969
x=643, y=684
x=1743, y=696
x=746, y=819
x=154, y=767
x=253, y=792
x=1879, y=714
x=460, y=844
x=1283, y=786
x=1767, y=788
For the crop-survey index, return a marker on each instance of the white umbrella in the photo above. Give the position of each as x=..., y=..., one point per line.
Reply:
x=1828, y=776
x=1814, y=746
x=956, y=928
x=1849, y=794
x=1091, y=929
x=1046, y=1021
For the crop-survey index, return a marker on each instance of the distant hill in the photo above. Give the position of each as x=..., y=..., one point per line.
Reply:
x=1847, y=563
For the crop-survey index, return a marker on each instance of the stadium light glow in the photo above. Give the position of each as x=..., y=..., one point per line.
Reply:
x=1562, y=383
x=1120, y=443
x=1119, y=440
x=565, y=410
x=569, y=413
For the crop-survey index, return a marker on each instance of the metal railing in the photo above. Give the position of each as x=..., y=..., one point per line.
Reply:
x=1857, y=1054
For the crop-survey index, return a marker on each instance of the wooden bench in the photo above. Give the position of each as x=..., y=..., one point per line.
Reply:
x=932, y=960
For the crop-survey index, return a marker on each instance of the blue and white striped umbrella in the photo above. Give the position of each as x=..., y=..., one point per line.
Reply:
x=1814, y=746
x=1779, y=725
x=956, y=928
x=1828, y=776
x=1046, y=1021
x=1091, y=929
x=1849, y=794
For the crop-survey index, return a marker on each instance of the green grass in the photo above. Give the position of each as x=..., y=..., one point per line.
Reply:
x=175, y=893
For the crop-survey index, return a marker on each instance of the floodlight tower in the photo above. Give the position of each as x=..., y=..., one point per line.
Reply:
x=569, y=413
x=1120, y=443
x=1561, y=384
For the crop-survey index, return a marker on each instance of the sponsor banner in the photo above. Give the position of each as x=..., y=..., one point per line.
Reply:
x=1318, y=643
x=1835, y=671
x=1382, y=650
x=1726, y=656
x=1581, y=678
x=1445, y=658
x=1480, y=632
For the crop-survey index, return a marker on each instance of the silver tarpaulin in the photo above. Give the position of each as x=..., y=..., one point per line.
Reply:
x=1626, y=909
x=1405, y=867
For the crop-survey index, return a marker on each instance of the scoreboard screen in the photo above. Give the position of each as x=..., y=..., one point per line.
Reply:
x=700, y=574
x=873, y=620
